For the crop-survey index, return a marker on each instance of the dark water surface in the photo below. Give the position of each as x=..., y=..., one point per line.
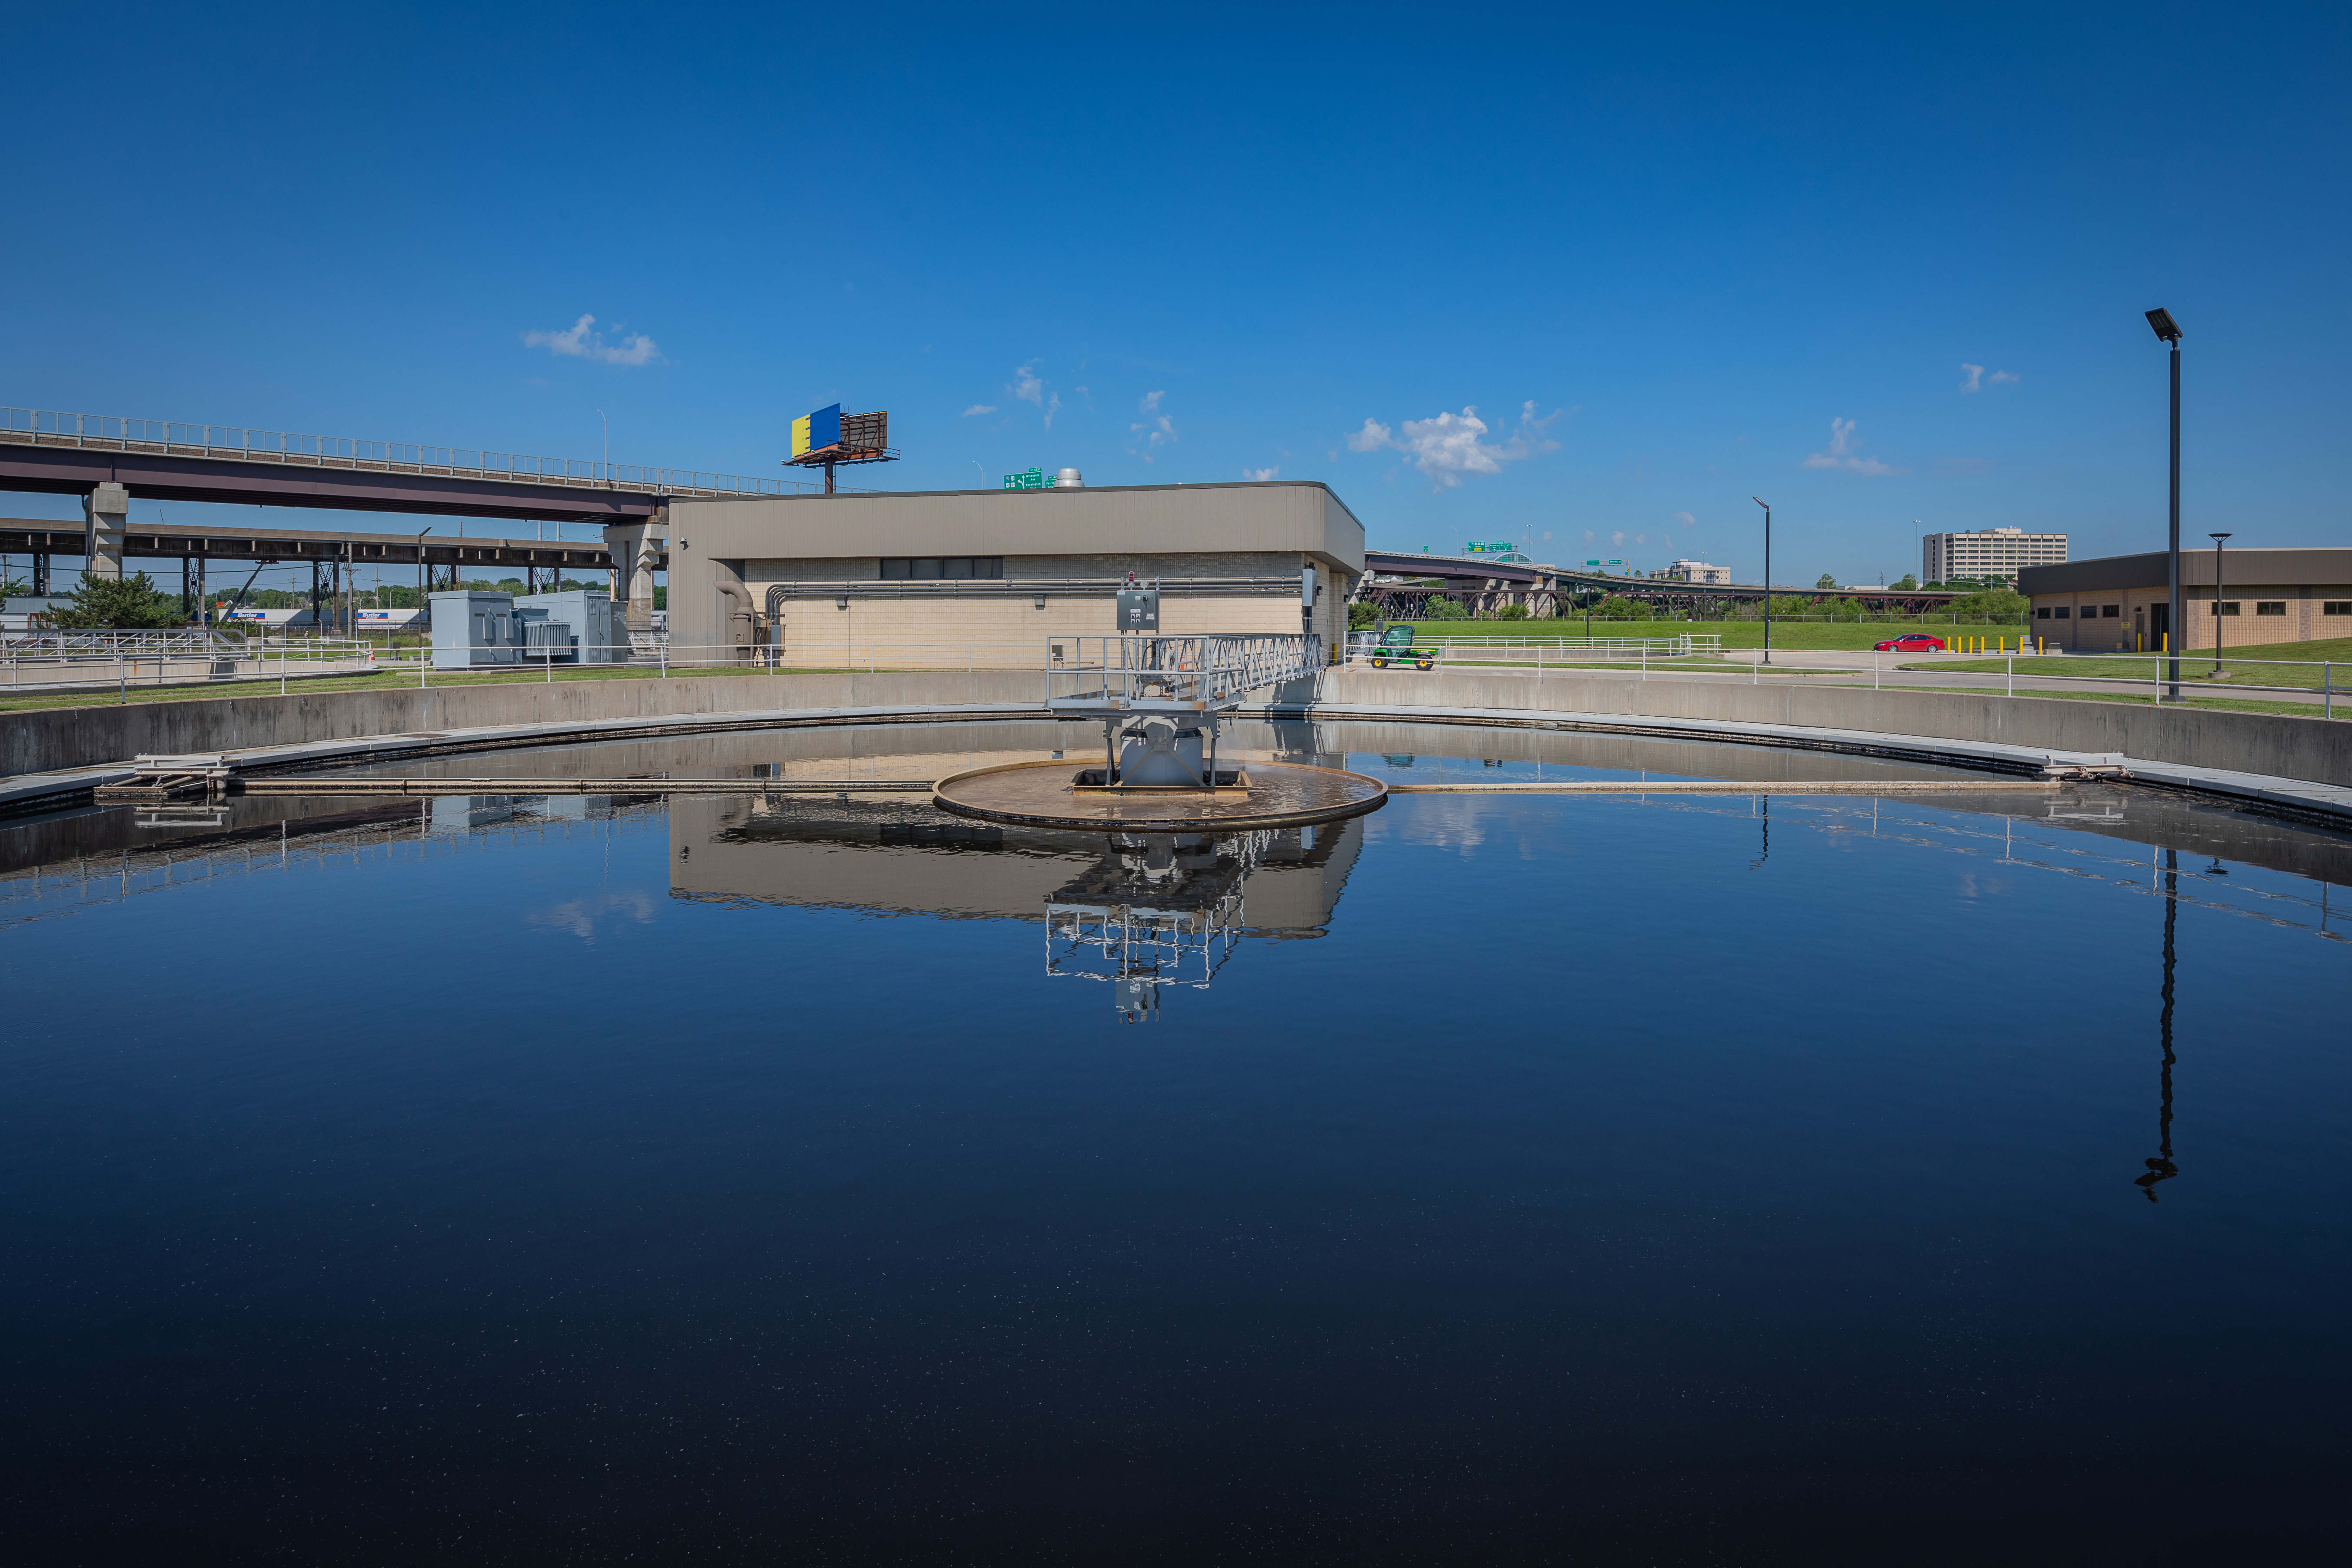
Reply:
x=1534, y=1179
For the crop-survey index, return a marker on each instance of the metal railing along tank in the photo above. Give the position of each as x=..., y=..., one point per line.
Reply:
x=1156, y=671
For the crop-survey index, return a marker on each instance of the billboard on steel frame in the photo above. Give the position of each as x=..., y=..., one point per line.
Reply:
x=815, y=432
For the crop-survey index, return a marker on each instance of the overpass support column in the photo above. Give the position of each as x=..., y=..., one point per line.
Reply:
x=105, y=512
x=634, y=546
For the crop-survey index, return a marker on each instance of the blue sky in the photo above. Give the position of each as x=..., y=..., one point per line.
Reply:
x=1875, y=263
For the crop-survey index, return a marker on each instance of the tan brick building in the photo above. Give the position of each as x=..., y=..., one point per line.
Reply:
x=994, y=577
x=2121, y=603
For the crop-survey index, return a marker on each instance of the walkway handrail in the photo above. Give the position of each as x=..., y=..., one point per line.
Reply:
x=1156, y=671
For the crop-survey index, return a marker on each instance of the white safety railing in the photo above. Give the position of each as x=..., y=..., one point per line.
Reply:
x=107, y=432
x=144, y=644
x=1680, y=642
x=1143, y=674
x=1147, y=672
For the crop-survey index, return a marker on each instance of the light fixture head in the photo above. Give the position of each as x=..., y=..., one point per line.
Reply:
x=841, y=602
x=1760, y=501
x=2217, y=536
x=2165, y=327
x=1041, y=601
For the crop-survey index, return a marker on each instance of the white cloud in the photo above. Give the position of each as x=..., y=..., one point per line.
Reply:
x=1841, y=455
x=979, y=408
x=1259, y=475
x=1449, y=448
x=1997, y=377
x=1686, y=520
x=1977, y=380
x=1154, y=430
x=1028, y=386
x=581, y=340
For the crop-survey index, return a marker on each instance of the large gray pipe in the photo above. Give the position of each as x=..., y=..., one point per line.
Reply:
x=741, y=613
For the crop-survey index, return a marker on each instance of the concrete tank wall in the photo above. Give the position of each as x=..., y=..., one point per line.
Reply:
x=48, y=740
x=2316, y=749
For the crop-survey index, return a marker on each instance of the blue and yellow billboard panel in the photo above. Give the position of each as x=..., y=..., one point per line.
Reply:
x=815, y=432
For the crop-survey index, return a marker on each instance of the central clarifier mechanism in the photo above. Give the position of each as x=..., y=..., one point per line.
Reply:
x=1162, y=701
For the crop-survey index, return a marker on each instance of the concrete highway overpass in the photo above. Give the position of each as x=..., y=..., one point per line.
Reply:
x=1401, y=585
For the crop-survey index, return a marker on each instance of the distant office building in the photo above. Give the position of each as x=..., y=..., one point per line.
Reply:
x=1692, y=572
x=2001, y=552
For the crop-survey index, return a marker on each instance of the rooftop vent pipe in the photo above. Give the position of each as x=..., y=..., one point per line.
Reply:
x=1069, y=479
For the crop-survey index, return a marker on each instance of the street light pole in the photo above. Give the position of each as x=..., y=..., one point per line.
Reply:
x=2168, y=330
x=608, y=446
x=1768, y=576
x=2218, y=548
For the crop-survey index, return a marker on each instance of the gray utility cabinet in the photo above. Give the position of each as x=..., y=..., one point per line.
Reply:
x=472, y=630
x=593, y=634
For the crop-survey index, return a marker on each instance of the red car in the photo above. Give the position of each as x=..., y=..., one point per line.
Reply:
x=1914, y=642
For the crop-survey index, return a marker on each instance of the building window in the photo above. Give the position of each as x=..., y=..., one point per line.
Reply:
x=2337, y=607
x=2270, y=606
x=2064, y=612
x=2110, y=611
x=2042, y=614
x=2225, y=606
x=932, y=568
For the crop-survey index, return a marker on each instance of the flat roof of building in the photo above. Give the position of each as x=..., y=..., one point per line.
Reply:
x=2269, y=568
x=1271, y=515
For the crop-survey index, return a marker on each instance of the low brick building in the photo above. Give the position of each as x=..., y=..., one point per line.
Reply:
x=2121, y=603
x=913, y=576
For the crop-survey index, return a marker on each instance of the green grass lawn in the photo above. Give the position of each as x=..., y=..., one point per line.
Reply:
x=2195, y=665
x=1794, y=635
x=1657, y=665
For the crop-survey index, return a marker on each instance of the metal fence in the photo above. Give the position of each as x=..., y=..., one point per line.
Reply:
x=1169, y=672
x=109, y=644
x=47, y=427
x=1149, y=671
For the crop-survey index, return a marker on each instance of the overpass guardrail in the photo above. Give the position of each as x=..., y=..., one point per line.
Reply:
x=235, y=443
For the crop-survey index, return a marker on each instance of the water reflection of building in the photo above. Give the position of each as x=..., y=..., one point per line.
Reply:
x=1134, y=912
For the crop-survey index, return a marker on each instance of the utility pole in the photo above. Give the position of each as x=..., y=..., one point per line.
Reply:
x=2168, y=330
x=2220, y=544
x=1768, y=577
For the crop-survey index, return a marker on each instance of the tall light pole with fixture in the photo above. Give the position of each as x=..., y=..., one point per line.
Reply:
x=2218, y=548
x=2168, y=330
x=1768, y=576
